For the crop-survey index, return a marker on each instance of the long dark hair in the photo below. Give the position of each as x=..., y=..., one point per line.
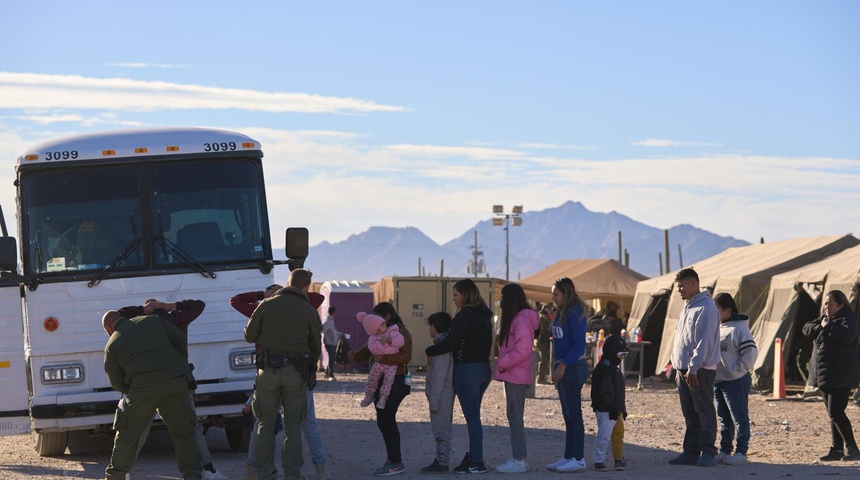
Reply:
x=839, y=297
x=513, y=301
x=571, y=299
x=726, y=301
x=470, y=292
x=384, y=308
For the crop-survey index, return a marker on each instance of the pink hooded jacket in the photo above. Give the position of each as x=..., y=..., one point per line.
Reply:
x=514, y=364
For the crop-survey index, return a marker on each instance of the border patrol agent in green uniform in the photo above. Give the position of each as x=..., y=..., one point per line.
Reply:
x=143, y=359
x=287, y=330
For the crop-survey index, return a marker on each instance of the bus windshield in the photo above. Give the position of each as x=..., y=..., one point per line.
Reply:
x=138, y=217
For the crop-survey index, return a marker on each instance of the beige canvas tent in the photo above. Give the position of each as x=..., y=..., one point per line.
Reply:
x=795, y=298
x=595, y=279
x=743, y=272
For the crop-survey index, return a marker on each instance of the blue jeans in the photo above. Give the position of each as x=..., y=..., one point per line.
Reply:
x=311, y=433
x=733, y=411
x=470, y=382
x=570, y=394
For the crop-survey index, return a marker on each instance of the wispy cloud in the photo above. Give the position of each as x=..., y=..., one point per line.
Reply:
x=481, y=153
x=102, y=119
x=39, y=91
x=661, y=142
x=553, y=146
x=146, y=65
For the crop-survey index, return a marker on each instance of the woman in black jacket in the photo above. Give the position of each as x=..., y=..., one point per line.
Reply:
x=469, y=340
x=835, y=369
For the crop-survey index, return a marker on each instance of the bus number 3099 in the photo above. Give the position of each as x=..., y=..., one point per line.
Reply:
x=217, y=147
x=64, y=155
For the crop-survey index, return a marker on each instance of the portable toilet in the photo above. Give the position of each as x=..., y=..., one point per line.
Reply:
x=348, y=298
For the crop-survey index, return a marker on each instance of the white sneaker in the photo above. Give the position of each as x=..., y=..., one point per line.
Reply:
x=721, y=455
x=572, y=466
x=513, y=466
x=207, y=475
x=736, y=459
x=558, y=463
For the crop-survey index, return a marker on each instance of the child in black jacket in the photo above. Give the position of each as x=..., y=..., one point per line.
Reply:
x=607, y=400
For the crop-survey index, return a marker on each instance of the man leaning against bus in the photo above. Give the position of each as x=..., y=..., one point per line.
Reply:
x=286, y=329
x=144, y=360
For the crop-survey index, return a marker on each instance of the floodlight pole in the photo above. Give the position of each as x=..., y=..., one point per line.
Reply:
x=507, y=244
x=498, y=210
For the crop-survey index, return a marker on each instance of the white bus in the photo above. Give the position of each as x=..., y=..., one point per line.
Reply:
x=113, y=219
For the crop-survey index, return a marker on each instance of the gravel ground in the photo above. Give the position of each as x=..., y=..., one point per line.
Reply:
x=788, y=436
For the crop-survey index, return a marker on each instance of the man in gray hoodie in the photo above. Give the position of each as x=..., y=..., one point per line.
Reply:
x=695, y=356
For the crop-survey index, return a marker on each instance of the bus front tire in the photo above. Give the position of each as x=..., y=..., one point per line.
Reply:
x=50, y=444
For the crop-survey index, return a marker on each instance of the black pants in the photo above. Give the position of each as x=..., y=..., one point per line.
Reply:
x=386, y=418
x=329, y=368
x=836, y=399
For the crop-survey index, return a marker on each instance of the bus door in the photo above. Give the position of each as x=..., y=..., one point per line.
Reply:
x=14, y=399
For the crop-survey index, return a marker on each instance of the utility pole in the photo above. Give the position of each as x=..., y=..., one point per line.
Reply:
x=476, y=265
x=475, y=254
x=666, y=247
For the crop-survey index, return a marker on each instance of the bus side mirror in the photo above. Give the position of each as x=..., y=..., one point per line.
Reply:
x=297, y=247
x=8, y=254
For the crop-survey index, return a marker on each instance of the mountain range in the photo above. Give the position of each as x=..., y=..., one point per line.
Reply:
x=569, y=231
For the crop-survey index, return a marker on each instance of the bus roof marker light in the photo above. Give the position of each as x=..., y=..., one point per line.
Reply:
x=30, y=158
x=51, y=324
x=172, y=148
x=108, y=153
x=141, y=150
x=248, y=145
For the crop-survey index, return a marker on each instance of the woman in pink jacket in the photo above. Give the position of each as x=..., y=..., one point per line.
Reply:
x=514, y=367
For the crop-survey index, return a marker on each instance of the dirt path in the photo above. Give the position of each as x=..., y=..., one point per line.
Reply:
x=787, y=438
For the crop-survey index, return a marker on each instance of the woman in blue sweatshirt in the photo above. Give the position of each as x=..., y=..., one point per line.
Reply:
x=570, y=371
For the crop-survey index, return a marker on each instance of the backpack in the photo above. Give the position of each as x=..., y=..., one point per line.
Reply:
x=341, y=354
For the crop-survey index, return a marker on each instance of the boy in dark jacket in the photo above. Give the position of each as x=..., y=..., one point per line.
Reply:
x=607, y=399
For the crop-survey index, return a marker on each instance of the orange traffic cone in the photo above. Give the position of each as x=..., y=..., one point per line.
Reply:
x=778, y=371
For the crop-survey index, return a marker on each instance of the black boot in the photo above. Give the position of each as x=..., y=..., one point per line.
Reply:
x=832, y=456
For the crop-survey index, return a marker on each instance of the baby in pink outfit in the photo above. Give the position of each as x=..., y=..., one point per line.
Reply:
x=383, y=341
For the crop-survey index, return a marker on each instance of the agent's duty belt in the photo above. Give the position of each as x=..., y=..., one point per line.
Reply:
x=265, y=361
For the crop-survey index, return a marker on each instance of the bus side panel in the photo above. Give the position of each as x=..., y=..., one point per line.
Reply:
x=14, y=400
x=80, y=340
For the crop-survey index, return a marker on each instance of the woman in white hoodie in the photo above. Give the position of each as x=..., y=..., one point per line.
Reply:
x=732, y=385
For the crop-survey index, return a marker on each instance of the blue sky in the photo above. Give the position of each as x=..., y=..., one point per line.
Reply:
x=738, y=117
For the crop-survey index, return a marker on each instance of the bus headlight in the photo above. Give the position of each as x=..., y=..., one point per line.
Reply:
x=243, y=360
x=62, y=374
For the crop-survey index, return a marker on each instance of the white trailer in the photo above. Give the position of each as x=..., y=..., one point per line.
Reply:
x=112, y=219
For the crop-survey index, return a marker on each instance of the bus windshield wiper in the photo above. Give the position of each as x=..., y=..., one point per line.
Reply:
x=184, y=256
x=132, y=246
